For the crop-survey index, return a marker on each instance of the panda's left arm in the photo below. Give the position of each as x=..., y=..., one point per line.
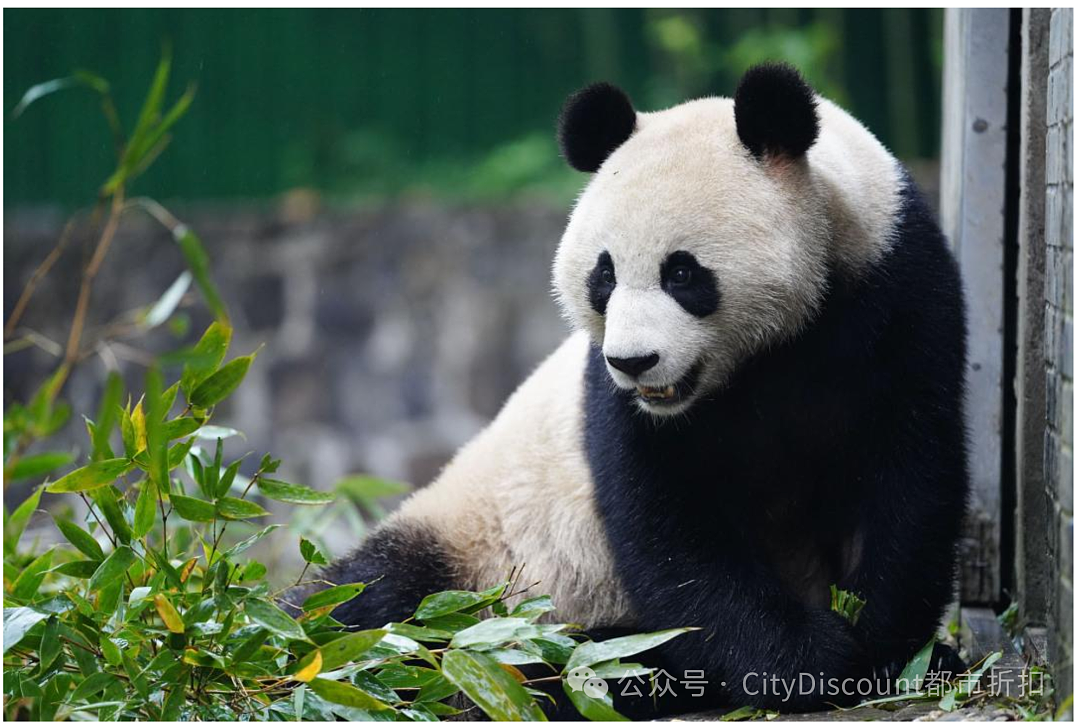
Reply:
x=910, y=522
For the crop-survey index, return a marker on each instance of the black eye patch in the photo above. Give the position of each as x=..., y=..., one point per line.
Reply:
x=691, y=285
x=601, y=283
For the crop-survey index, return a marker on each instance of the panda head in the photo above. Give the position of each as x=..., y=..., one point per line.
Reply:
x=699, y=241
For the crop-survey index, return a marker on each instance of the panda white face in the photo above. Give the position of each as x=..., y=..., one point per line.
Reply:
x=687, y=252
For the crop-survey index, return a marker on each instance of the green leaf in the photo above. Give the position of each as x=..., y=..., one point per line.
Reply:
x=199, y=264
x=913, y=674
x=160, y=311
x=346, y=694
x=310, y=553
x=81, y=539
x=452, y=622
x=295, y=494
x=273, y=619
x=490, y=687
x=418, y=633
x=249, y=646
x=110, y=651
x=532, y=608
x=221, y=383
x=367, y=490
x=108, y=501
x=445, y=602
x=193, y=509
x=333, y=596
x=145, y=509
x=112, y=568
x=227, y=478
x=181, y=427
x=207, y=355
x=590, y=652
x=595, y=709
x=26, y=585
x=51, y=645
x=114, y=390
x=847, y=604
x=496, y=631
x=93, y=684
x=77, y=568
x=17, y=621
x=174, y=703
x=15, y=523
x=348, y=648
x=157, y=445
x=36, y=465
x=233, y=508
x=248, y=542
x=94, y=475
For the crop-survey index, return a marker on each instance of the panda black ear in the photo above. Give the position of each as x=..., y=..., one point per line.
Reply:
x=775, y=111
x=594, y=122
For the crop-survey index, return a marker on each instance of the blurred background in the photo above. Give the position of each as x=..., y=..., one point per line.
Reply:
x=380, y=194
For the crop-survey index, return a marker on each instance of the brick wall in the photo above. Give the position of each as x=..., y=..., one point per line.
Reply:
x=1059, y=339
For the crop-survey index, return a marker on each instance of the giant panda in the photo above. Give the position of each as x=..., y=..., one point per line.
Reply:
x=762, y=397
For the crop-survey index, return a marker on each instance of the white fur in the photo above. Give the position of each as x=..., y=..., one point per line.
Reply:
x=767, y=229
x=520, y=496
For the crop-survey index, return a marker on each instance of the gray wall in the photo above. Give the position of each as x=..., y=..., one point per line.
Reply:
x=391, y=336
x=1059, y=339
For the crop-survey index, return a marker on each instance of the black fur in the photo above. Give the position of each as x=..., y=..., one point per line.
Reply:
x=401, y=565
x=594, y=122
x=775, y=111
x=601, y=283
x=854, y=430
x=699, y=295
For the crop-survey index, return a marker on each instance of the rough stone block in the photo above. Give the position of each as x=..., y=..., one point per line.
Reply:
x=1054, y=168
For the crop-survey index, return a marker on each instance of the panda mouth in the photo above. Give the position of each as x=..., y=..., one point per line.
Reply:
x=671, y=394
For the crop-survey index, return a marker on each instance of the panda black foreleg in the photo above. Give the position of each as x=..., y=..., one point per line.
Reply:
x=908, y=568
x=401, y=565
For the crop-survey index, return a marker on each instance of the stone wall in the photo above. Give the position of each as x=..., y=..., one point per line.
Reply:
x=1059, y=339
x=391, y=336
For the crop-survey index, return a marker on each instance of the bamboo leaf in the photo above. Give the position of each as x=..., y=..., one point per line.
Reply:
x=199, y=264
x=26, y=585
x=15, y=523
x=94, y=475
x=206, y=356
x=490, y=687
x=36, y=465
x=590, y=652
x=193, y=509
x=112, y=568
x=17, y=621
x=333, y=596
x=81, y=539
x=348, y=648
x=293, y=494
x=169, y=614
x=273, y=619
x=145, y=509
x=221, y=383
x=114, y=389
x=310, y=553
x=233, y=508
x=309, y=667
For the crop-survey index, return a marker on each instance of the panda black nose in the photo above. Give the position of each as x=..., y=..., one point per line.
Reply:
x=635, y=365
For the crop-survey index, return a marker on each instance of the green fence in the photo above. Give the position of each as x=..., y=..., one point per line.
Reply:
x=372, y=100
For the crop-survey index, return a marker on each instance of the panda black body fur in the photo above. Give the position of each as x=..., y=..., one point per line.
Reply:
x=825, y=446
